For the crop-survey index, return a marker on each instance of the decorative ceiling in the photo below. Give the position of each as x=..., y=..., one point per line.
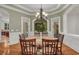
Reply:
x=36, y=7
x=32, y=9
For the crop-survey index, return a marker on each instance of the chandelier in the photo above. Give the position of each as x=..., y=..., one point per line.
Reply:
x=41, y=14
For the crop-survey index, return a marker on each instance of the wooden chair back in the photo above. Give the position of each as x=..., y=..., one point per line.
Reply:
x=28, y=47
x=61, y=37
x=22, y=36
x=5, y=33
x=60, y=43
x=49, y=47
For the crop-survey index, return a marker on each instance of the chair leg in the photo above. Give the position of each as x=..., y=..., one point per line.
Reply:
x=61, y=51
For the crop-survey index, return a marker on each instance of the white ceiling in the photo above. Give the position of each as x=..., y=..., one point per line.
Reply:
x=4, y=15
x=36, y=7
x=32, y=9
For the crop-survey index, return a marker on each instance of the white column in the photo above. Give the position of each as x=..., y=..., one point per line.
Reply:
x=33, y=27
x=29, y=32
x=21, y=24
x=52, y=26
x=65, y=24
x=0, y=35
x=49, y=32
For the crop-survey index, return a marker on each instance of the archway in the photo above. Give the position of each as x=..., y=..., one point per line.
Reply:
x=40, y=26
x=33, y=30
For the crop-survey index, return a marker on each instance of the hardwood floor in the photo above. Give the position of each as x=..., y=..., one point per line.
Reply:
x=15, y=50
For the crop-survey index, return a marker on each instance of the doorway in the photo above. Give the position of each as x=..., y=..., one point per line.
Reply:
x=25, y=29
x=40, y=26
x=56, y=29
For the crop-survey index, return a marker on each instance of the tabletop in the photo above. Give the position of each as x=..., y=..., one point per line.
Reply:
x=39, y=39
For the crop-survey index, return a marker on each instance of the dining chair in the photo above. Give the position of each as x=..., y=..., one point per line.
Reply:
x=28, y=47
x=5, y=33
x=22, y=36
x=60, y=43
x=49, y=47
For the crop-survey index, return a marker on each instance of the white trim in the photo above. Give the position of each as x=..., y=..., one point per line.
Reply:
x=21, y=24
x=33, y=26
x=59, y=10
x=31, y=10
x=52, y=25
x=69, y=9
x=49, y=10
x=18, y=5
x=29, y=27
x=59, y=23
x=69, y=34
x=72, y=41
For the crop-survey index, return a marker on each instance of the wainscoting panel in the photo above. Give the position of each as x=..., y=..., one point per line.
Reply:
x=72, y=41
x=14, y=38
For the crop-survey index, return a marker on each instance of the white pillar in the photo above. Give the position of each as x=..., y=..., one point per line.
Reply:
x=21, y=24
x=29, y=31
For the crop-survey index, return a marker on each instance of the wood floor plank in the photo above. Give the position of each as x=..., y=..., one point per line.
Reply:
x=16, y=50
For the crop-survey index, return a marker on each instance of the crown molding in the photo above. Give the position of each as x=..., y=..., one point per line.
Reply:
x=32, y=14
x=59, y=10
x=32, y=11
x=27, y=9
x=58, y=6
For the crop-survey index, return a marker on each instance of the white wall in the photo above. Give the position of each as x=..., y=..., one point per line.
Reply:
x=73, y=21
x=71, y=27
x=72, y=41
x=14, y=38
x=25, y=20
x=1, y=24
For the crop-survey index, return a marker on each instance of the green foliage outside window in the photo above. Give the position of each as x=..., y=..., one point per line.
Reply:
x=41, y=26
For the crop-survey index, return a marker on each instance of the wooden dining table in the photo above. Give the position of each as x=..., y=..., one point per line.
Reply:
x=39, y=39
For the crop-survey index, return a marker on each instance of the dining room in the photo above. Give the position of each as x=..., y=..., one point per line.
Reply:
x=39, y=29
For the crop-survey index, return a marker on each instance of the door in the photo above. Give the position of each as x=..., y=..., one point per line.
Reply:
x=25, y=29
x=56, y=29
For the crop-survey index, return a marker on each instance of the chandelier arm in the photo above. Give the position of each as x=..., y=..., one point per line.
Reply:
x=41, y=13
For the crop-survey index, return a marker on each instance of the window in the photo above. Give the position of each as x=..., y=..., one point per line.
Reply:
x=6, y=26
